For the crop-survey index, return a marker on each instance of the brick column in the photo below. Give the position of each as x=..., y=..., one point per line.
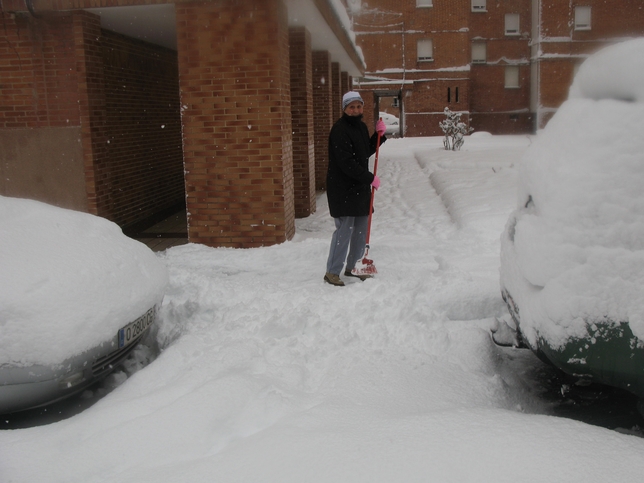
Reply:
x=303, y=121
x=234, y=78
x=323, y=108
x=370, y=114
x=345, y=84
x=336, y=88
x=92, y=107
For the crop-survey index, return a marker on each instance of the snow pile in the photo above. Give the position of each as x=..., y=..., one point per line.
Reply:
x=573, y=253
x=614, y=72
x=68, y=281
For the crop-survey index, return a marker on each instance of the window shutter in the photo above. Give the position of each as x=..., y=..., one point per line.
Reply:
x=425, y=50
x=479, y=53
x=479, y=5
x=511, y=24
x=511, y=77
x=582, y=18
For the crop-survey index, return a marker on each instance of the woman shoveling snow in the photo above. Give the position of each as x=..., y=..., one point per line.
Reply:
x=349, y=184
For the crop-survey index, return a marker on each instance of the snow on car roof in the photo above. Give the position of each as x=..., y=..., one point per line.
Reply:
x=580, y=242
x=69, y=281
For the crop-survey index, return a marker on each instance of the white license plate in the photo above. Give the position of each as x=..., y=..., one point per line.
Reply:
x=133, y=330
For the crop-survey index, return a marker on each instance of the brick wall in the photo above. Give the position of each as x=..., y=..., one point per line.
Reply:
x=426, y=101
x=490, y=24
x=345, y=85
x=389, y=42
x=369, y=112
x=40, y=113
x=38, y=83
x=323, y=108
x=388, y=34
x=390, y=29
x=505, y=123
x=488, y=91
x=235, y=95
x=63, y=72
x=336, y=91
x=555, y=73
x=91, y=100
x=303, y=121
x=143, y=124
x=611, y=21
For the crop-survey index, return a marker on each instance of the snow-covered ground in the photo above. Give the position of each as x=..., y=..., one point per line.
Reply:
x=269, y=375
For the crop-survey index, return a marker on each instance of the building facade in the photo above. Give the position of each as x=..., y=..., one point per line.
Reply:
x=505, y=65
x=132, y=109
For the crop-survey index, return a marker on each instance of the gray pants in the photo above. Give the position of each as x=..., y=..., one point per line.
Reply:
x=350, y=235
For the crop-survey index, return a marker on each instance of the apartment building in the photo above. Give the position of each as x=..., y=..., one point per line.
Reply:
x=506, y=65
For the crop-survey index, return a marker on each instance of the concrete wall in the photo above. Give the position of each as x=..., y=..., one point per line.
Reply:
x=44, y=164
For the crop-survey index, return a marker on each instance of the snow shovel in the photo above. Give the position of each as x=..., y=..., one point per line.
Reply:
x=366, y=266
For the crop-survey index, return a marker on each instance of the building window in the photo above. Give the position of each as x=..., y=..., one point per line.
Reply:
x=424, y=3
x=479, y=53
x=511, y=24
x=425, y=50
x=582, y=18
x=479, y=5
x=449, y=94
x=511, y=77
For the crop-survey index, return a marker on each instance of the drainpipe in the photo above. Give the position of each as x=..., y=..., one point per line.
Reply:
x=32, y=10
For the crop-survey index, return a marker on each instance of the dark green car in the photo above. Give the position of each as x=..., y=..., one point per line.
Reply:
x=572, y=253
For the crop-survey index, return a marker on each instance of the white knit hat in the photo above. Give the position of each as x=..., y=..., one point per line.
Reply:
x=349, y=97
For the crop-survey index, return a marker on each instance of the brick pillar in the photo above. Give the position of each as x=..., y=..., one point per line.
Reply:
x=370, y=116
x=323, y=108
x=93, y=114
x=236, y=114
x=345, y=84
x=303, y=121
x=336, y=91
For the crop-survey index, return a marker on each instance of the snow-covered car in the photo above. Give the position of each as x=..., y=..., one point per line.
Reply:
x=572, y=253
x=391, y=122
x=76, y=296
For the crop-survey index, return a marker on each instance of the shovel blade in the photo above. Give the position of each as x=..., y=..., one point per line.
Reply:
x=364, y=267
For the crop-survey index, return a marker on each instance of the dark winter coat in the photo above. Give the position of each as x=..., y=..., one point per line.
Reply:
x=348, y=180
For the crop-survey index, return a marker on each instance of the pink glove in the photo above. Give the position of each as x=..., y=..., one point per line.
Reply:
x=376, y=182
x=380, y=127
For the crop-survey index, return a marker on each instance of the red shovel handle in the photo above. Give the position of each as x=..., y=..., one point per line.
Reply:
x=373, y=191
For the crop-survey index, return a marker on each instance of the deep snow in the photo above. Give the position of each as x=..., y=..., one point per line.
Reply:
x=268, y=374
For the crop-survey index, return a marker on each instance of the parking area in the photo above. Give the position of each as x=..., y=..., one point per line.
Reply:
x=169, y=232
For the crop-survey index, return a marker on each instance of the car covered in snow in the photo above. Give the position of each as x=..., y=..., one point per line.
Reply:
x=392, y=123
x=572, y=253
x=76, y=296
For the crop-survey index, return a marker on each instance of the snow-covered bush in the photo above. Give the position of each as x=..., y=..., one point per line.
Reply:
x=454, y=130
